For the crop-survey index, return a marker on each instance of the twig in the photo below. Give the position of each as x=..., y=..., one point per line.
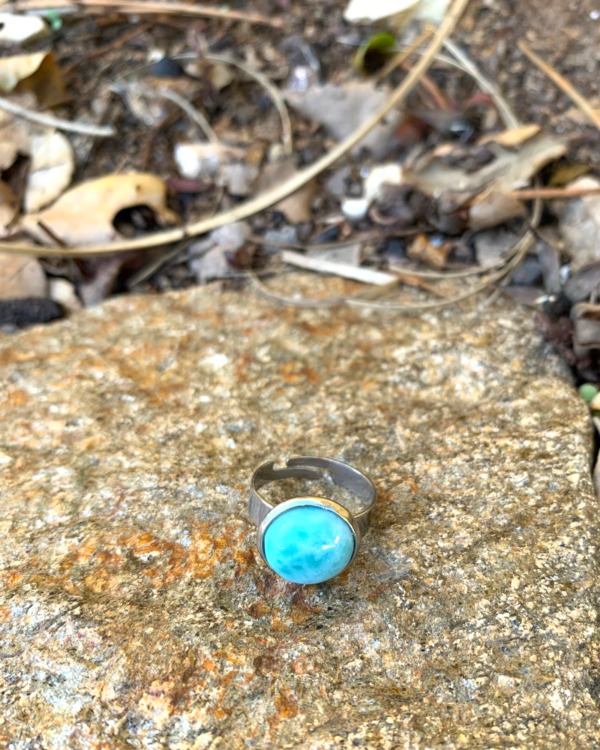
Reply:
x=99, y=131
x=563, y=85
x=53, y=236
x=528, y=194
x=279, y=192
x=194, y=114
x=519, y=252
x=269, y=86
x=484, y=84
x=145, y=7
x=345, y=270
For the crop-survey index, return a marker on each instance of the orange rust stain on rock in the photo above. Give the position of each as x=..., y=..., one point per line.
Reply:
x=241, y=368
x=286, y=704
x=5, y=614
x=156, y=703
x=18, y=397
x=300, y=609
x=292, y=372
x=10, y=578
x=326, y=328
x=413, y=486
x=303, y=665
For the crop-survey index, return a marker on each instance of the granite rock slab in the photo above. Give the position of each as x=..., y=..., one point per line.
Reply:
x=135, y=611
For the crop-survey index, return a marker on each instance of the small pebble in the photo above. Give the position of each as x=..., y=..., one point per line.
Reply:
x=167, y=68
x=355, y=209
x=28, y=311
x=587, y=391
x=595, y=15
x=595, y=403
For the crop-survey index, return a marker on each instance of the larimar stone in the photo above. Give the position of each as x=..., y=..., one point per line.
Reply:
x=308, y=544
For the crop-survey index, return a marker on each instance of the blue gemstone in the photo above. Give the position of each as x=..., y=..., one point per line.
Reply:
x=308, y=544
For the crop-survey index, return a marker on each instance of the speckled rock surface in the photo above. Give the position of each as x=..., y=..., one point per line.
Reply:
x=135, y=612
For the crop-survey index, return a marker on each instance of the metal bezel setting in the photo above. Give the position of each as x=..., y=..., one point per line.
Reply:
x=298, y=502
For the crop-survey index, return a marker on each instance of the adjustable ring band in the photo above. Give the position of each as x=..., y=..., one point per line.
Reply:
x=310, y=539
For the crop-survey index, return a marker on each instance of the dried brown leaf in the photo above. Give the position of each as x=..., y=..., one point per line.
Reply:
x=508, y=171
x=21, y=276
x=84, y=215
x=491, y=208
x=511, y=138
x=52, y=159
x=38, y=73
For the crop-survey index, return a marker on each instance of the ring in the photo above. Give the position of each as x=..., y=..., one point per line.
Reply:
x=310, y=539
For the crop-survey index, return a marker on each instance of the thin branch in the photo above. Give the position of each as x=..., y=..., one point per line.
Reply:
x=98, y=131
x=192, y=112
x=272, y=90
x=484, y=84
x=279, y=192
x=563, y=85
x=528, y=194
x=346, y=270
x=145, y=7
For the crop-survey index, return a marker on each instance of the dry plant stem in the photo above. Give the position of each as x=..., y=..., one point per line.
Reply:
x=357, y=273
x=270, y=88
x=144, y=7
x=194, y=114
x=528, y=194
x=564, y=85
x=519, y=252
x=97, y=131
x=278, y=193
x=484, y=84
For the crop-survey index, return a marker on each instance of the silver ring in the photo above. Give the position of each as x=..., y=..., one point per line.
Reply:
x=310, y=539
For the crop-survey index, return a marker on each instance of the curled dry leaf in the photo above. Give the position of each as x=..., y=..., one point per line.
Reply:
x=85, y=214
x=510, y=170
x=491, y=208
x=38, y=73
x=395, y=13
x=51, y=154
x=511, y=138
x=16, y=29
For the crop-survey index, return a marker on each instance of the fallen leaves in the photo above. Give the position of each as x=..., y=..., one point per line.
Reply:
x=344, y=108
x=395, y=13
x=52, y=159
x=506, y=171
x=38, y=73
x=16, y=29
x=85, y=214
x=21, y=276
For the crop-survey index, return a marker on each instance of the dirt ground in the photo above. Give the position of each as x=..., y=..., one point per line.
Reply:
x=565, y=33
